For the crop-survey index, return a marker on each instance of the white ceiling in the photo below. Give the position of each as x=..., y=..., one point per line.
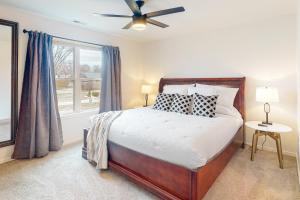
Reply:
x=200, y=15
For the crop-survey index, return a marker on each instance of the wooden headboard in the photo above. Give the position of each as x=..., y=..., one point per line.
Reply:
x=239, y=102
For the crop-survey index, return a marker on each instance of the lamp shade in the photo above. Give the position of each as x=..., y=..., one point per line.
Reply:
x=146, y=89
x=266, y=94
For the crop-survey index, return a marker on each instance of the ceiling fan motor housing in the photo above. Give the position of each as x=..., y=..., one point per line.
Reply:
x=139, y=19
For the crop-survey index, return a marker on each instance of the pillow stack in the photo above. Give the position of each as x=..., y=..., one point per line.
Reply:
x=196, y=99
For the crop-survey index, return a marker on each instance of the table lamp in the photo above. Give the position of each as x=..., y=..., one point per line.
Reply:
x=146, y=89
x=267, y=95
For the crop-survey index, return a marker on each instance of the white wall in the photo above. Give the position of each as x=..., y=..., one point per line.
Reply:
x=264, y=52
x=130, y=54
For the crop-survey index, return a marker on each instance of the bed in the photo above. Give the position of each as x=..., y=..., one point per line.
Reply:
x=190, y=176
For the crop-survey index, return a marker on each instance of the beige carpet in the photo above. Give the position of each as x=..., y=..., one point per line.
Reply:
x=66, y=176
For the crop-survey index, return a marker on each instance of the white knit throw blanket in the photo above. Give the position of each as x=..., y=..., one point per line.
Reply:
x=97, y=138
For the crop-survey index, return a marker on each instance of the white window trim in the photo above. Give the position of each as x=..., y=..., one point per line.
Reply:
x=77, y=81
x=73, y=114
x=76, y=77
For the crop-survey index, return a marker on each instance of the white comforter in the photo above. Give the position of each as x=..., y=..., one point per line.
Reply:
x=185, y=140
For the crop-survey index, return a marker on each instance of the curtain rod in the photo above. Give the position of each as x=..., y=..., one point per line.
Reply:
x=73, y=40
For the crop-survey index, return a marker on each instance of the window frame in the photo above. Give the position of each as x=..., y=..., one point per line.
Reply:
x=76, y=74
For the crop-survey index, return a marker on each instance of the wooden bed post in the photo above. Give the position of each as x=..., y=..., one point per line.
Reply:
x=84, y=148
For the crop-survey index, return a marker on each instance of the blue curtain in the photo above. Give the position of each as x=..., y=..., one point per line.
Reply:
x=110, y=98
x=39, y=129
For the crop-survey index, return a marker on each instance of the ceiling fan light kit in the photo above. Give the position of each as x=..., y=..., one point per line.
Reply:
x=139, y=23
x=139, y=20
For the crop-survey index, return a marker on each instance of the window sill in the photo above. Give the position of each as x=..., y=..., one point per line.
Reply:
x=77, y=114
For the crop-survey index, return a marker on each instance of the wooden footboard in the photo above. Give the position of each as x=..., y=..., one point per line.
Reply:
x=167, y=180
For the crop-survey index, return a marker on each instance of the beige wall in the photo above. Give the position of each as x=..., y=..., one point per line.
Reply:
x=131, y=64
x=264, y=52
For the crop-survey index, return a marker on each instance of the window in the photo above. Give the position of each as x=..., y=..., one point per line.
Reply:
x=77, y=73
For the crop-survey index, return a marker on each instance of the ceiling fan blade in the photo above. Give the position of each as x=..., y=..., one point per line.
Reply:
x=112, y=15
x=134, y=7
x=157, y=23
x=165, y=12
x=128, y=26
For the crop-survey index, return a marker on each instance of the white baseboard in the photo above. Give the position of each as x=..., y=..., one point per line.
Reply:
x=5, y=154
x=267, y=148
x=74, y=142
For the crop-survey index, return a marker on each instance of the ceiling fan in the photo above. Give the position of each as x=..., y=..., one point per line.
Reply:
x=140, y=20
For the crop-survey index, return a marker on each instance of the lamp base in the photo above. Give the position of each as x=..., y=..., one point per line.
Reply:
x=146, y=100
x=262, y=125
x=267, y=110
x=267, y=123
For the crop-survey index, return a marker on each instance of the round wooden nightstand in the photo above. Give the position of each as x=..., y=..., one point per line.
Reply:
x=273, y=131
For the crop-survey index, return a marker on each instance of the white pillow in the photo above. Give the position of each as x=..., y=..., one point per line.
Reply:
x=177, y=89
x=205, y=91
x=226, y=95
x=228, y=111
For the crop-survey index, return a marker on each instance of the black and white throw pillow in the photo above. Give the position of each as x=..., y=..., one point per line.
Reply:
x=182, y=104
x=204, y=105
x=163, y=101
